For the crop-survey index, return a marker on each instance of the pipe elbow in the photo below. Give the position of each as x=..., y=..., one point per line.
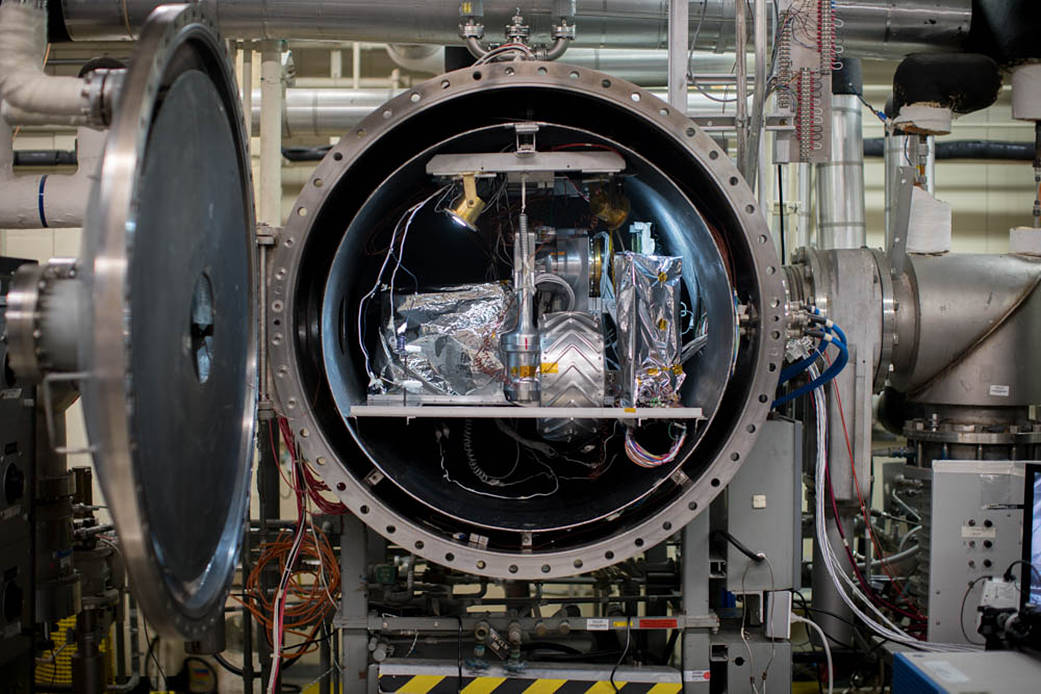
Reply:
x=473, y=44
x=559, y=47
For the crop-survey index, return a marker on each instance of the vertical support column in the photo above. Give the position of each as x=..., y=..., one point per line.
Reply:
x=356, y=65
x=758, y=119
x=336, y=64
x=741, y=48
x=271, y=98
x=247, y=88
x=804, y=190
x=696, y=646
x=354, y=606
x=267, y=492
x=679, y=28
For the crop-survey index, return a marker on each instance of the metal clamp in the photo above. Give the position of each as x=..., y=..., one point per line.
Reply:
x=49, y=413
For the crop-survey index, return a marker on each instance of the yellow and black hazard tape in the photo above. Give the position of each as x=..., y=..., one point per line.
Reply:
x=446, y=684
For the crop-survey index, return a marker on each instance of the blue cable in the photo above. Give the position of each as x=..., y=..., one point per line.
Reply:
x=829, y=374
x=792, y=370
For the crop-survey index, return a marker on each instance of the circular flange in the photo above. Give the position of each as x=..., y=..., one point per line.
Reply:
x=169, y=339
x=762, y=341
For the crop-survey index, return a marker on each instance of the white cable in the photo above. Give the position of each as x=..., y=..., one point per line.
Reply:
x=887, y=629
x=827, y=647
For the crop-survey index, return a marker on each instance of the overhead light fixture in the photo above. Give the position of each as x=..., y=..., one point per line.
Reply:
x=469, y=207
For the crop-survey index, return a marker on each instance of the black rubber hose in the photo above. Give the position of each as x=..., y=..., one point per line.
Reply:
x=993, y=150
x=305, y=153
x=44, y=157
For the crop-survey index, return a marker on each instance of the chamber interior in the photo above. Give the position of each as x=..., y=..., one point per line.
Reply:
x=405, y=262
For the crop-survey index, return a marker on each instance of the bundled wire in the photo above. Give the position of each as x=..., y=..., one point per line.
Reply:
x=312, y=579
x=829, y=334
x=642, y=457
x=848, y=589
x=308, y=567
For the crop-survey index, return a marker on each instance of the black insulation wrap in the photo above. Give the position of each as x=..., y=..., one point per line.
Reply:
x=44, y=157
x=848, y=78
x=1006, y=30
x=962, y=82
x=993, y=150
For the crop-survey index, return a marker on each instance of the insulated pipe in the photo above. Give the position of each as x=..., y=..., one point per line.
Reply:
x=30, y=95
x=872, y=28
x=988, y=150
x=48, y=200
x=840, y=181
x=324, y=112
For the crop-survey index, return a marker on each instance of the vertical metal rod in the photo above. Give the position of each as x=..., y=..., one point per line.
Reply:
x=356, y=64
x=247, y=88
x=679, y=28
x=336, y=64
x=758, y=95
x=267, y=491
x=804, y=187
x=695, y=648
x=271, y=96
x=740, y=43
x=325, y=664
x=247, y=618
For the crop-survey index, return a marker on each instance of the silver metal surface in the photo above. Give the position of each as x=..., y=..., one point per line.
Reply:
x=535, y=412
x=1014, y=673
x=874, y=28
x=21, y=322
x=763, y=502
x=169, y=336
x=978, y=317
x=582, y=672
x=530, y=162
x=678, y=61
x=974, y=530
x=449, y=340
x=746, y=228
x=887, y=29
x=43, y=319
x=334, y=110
x=899, y=220
x=840, y=181
x=844, y=285
x=647, y=291
x=571, y=370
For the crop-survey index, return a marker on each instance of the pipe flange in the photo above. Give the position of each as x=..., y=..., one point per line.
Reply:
x=28, y=300
x=889, y=309
x=927, y=431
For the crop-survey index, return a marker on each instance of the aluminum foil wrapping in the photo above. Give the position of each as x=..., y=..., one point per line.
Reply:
x=446, y=342
x=647, y=298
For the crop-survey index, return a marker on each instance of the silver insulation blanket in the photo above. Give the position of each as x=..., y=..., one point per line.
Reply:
x=446, y=342
x=647, y=298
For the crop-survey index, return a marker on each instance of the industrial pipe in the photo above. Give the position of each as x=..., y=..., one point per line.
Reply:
x=322, y=112
x=872, y=28
x=29, y=95
x=47, y=200
x=840, y=181
x=992, y=150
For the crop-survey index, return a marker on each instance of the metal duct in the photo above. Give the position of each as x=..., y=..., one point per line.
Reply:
x=840, y=182
x=335, y=111
x=872, y=28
